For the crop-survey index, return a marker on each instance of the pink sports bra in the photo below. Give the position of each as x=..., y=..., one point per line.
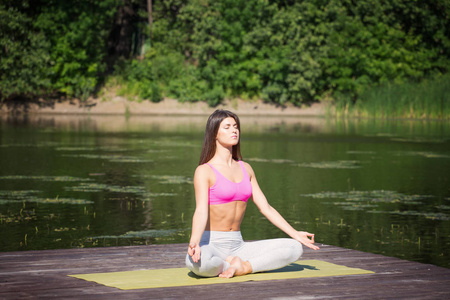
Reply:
x=225, y=190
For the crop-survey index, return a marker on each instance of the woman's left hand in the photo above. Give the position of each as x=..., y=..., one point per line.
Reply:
x=306, y=239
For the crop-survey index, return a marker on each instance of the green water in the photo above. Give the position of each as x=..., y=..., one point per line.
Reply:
x=375, y=186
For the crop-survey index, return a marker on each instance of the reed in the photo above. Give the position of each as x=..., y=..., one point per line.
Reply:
x=428, y=99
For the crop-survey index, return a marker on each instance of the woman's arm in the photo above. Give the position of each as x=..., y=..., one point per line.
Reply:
x=200, y=218
x=274, y=216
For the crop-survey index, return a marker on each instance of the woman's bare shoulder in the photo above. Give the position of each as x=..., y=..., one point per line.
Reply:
x=203, y=170
x=246, y=164
x=248, y=168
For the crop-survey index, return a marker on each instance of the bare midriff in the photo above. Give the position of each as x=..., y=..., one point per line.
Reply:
x=226, y=217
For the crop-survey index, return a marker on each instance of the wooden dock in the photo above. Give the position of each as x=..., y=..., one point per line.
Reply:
x=43, y=275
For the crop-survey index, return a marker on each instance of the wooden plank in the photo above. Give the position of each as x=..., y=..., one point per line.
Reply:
x=43, y=274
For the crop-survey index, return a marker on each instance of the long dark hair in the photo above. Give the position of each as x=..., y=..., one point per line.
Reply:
x=212, y=127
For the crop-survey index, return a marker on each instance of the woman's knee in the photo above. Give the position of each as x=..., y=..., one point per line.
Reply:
x=189, y=262
x=194, y=267
x=209, y=268
x=295, y=249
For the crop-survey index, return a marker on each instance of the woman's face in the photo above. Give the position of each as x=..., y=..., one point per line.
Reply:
x=228, y=133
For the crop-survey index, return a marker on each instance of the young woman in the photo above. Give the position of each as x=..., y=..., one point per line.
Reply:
x=223, y=184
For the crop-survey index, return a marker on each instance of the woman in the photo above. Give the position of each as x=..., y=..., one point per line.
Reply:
x=223, y=184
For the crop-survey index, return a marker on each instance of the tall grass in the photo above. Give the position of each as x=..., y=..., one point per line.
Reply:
x=429, y=99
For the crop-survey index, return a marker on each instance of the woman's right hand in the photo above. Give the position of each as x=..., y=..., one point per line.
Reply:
x=306, y=239
x=194, y=252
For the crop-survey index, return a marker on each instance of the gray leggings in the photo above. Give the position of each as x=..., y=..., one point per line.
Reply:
x=263, y=255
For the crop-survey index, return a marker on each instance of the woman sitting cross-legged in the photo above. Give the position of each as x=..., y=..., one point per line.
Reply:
x=223, y=184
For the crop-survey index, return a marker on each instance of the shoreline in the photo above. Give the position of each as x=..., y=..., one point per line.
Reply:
x=122, y=106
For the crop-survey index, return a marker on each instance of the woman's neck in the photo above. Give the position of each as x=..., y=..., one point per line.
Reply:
x=223, y=156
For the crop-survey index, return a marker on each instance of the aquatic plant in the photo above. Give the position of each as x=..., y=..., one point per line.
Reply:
x=426, y=154
x=45, y=178
x=112, y=158
x=369, y=200
x=22, y=196
x=420, y=140
x=174, y=143
x=58, y=200
x=151, y=233
x=48, y=200
x=274, y=160
x=18, y=194
x=89, y=148
x=167, y=179
x=340, y=164
x=428, y=215
x=101, y=187
x=377, y=196
x=18, y=216
x=428, y=99
x=361, y=152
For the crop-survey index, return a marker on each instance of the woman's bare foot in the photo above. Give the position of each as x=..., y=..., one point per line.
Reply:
x=237, y=267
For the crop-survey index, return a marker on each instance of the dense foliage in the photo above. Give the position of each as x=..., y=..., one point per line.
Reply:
x=53, y=46
x=279, y=50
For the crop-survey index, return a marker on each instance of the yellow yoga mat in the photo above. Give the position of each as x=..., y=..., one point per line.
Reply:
x=162, y=278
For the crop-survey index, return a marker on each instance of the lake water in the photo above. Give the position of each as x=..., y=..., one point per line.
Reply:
x=374, y=186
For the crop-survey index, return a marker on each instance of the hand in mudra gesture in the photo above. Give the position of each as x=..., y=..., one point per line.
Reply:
x=194, y=252
x=306, y=239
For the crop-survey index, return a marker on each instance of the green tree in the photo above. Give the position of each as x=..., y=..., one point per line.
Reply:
x=50, y=45
x=78, y=35
x=278, y=50
x=24, y=56
x=369, y=46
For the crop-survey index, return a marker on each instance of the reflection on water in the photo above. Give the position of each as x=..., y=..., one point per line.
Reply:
x=376, y=186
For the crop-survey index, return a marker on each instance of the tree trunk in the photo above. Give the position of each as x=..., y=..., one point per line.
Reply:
x=150, y=17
